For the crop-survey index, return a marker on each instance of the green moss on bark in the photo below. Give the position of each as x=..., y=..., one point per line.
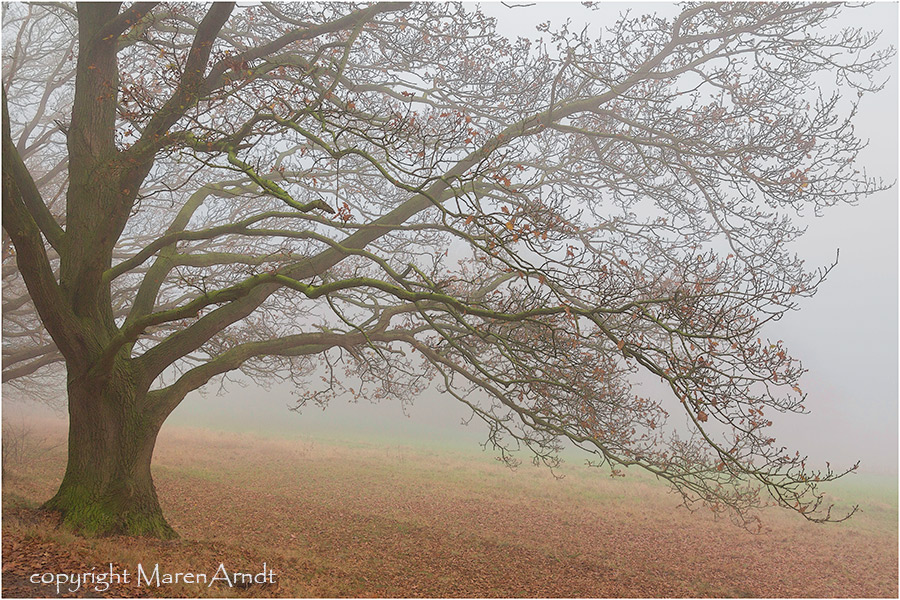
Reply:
x=110, y=513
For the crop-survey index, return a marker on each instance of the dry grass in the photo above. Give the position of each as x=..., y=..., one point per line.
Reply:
x=375, y=519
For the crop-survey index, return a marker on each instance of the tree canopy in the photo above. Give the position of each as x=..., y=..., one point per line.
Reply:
x=369, y=198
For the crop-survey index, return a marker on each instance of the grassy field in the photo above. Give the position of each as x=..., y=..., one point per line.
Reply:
x=373, y=518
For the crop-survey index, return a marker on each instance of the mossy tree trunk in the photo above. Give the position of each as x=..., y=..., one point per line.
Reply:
x=108, y=488
x=113, y=418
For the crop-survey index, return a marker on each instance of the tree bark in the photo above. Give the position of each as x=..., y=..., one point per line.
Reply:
x=108, y=488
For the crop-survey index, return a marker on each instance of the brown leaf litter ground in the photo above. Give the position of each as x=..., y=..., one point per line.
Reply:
x=375, y=519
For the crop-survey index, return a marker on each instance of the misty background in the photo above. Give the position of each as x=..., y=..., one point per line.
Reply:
x=846, y=335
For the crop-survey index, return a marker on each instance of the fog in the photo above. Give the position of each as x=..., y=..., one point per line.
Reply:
x=846, y=335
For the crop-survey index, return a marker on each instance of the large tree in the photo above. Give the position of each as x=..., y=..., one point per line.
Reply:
x=390, y=194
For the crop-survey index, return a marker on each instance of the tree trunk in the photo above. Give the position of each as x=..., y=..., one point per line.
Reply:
x=107, y=488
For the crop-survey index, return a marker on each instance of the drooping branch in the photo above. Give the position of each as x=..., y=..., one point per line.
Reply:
x=12, y=373
x=168, y=398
